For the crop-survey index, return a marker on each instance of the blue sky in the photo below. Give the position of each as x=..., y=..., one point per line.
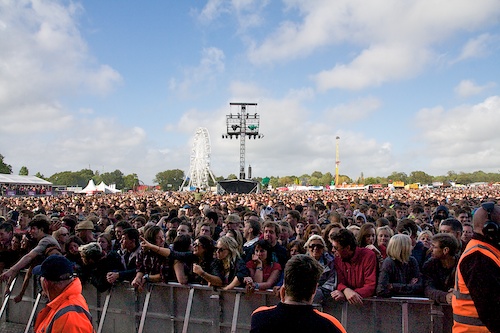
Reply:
x=407, y=86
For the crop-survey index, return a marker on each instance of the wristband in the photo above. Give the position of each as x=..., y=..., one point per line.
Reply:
x=146, y=277
x=256, y=286
x=258, y=268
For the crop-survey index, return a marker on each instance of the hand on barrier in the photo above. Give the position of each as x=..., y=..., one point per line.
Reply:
x=138, y=283
x=111, y=277
x=352, y=296
x=7, y=275
x=337, y=295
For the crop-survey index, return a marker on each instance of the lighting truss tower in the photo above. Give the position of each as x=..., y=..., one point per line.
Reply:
x=337, y=161
x=240, y=126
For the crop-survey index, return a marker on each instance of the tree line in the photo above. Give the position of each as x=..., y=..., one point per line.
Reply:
x=171, y=180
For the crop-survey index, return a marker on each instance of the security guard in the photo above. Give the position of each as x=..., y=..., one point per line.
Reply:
x=67, y=310
x=476, y=298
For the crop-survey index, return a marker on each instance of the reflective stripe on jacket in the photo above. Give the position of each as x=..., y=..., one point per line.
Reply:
x=465, y=316
x=68, y=312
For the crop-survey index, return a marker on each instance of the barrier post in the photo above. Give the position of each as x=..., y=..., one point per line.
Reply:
x=145, y=309
x=7, y=296
x=235, y=312
x=104, y=310
x=188, y=310
x=32, y=315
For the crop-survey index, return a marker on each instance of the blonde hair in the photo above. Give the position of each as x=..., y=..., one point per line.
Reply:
x=424, y=232
x=385, y=228
x=232, y=245
x=315, y=237
x=399, y=248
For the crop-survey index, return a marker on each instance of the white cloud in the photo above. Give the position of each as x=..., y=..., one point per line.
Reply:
x=249, y=13
x=353, y=111
x=373, y=67
x=477, y=47
x=467, y=88
x=212, y=10
x=396, y=38
x=211, y=64
x=464, y=138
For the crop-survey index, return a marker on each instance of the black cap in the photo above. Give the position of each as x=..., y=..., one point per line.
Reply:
x=55, y=268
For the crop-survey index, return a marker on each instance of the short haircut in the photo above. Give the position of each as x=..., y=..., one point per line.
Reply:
x=182, y=243
x=188, y=225
x=272, y=224
x=211, y=215
x=399, y=248
x=345, y=238
x=295, y=214
x=407, y=227
x=132, y=234
x=453, y=223
x=7, y=227
x=42, y=222
x=255, y=225
x=123, y=224
x=447, y=240
x=302, y=274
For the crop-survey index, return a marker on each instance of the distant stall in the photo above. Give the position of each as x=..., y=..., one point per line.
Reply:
x=12, y=185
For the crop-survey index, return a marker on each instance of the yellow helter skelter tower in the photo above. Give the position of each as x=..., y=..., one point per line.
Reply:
x=337, y=161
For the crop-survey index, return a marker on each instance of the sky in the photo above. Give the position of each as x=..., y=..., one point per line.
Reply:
x=408, y=85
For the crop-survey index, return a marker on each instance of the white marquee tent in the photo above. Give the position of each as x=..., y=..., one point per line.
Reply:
x=91, y=188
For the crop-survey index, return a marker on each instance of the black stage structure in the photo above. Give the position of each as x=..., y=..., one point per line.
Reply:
x=243, y=186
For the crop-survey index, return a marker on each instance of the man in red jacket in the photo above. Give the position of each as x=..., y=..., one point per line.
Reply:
x=67, y=310
x=356, y=269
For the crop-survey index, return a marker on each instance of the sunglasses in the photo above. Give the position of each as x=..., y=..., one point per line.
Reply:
x=318, y=246
x=196, y=244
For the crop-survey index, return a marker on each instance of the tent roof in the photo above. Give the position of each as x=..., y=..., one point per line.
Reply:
x=22, y=180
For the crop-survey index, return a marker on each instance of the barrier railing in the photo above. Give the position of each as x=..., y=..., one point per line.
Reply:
x=195, y=308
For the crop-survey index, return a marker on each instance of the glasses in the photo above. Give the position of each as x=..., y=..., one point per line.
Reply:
x=66, y=234
x=219, y=249
x=196, y=244
x=318, y=246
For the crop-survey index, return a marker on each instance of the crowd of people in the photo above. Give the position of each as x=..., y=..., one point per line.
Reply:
x=383, y=243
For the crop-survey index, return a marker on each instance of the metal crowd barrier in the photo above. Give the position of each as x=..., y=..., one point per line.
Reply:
x=195, y=308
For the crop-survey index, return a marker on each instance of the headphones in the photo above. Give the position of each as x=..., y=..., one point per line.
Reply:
x=491, y=229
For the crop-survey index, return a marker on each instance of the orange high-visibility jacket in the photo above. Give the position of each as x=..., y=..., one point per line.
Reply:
x=68, y=312
x=465, y=316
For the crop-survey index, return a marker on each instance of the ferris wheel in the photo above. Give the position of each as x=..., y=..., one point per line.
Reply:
x=199, y=169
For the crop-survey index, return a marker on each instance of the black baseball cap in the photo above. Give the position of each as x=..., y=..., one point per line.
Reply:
x=55, y=268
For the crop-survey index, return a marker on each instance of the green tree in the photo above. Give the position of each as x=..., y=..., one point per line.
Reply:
x=4, y=168
x=24, y=171
x=232, y=176
x=130, y=181
x=115, y=177
x=274, y=182
x=398, y=176
x=316, y=174
x=326, y=179
x=39, y=175
x=419, y=177
x=70, y=178
x=170, y=179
